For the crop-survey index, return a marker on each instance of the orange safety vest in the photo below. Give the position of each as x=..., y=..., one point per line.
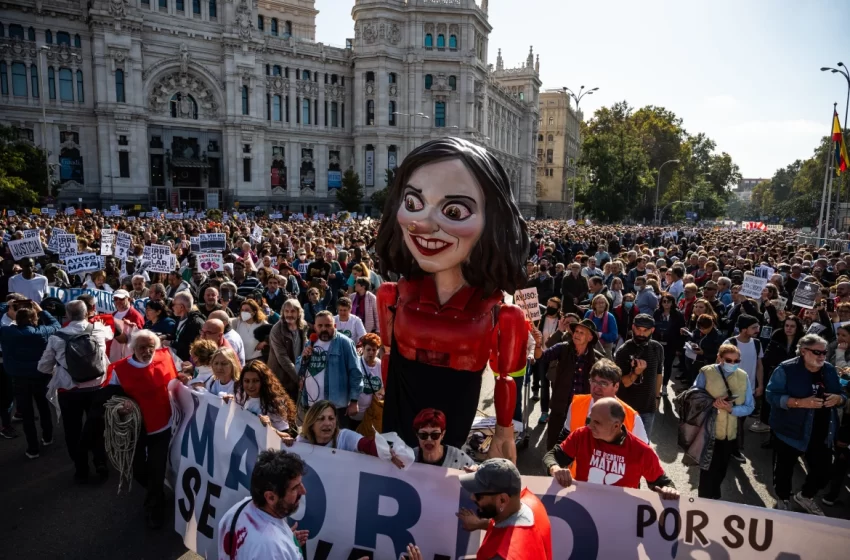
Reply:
x=579, y=409
x=520, y=543
x=149, y=387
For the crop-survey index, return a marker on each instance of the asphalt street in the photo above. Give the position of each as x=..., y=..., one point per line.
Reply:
x=47, y=515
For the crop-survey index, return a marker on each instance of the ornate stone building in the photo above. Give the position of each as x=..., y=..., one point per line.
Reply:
x=197, y=103
x=557, y=153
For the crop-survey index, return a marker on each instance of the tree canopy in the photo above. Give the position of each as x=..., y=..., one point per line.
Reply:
x=23, y=174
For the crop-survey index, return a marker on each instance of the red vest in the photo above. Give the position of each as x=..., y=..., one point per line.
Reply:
x=520, y=543
x=149, y=387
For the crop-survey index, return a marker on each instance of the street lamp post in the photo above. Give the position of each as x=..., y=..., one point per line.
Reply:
x=658, y=188
x=42, y=63
x=846, y=73
x=577, y=98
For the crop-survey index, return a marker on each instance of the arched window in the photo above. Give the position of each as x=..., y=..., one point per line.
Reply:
x=34, y=80
x=452, y=82
x=453, y=42
x=213, y=9
x=370, y=76
x=119, y=86
x=429, y=41
x=287, y=29
x=4, y=79
x=78, y=42
x=245, y=105
x=305, y=117
x=66, y=84
x=48, y=37
x=63, y=38
x=51, y=83
x=31, y=34
x=276, y=70
x=80, y=96
x=392, y=77
x=19, y=79
x=440, y=114
x=370, y=113
x=429, y=80
x=305, y=75
x=184, y=106
x=441, y=41
x=260, y=24
x=540, y=138
x=522, y=96
x=16, y=31
x=392, y=113
x=274, y=27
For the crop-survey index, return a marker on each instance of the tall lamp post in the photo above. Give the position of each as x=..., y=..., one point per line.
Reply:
x=658, y=188
x=577, y=98
x=846, y=73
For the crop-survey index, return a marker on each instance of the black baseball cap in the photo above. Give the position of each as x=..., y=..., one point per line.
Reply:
x=494, y=476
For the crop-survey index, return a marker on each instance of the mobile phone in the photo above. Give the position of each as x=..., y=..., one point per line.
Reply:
x=830, y=305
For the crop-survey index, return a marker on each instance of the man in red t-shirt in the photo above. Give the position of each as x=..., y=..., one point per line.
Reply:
x=605, y=453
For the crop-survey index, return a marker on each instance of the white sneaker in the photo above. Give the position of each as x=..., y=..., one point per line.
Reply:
x=808, y=504
x=759, y=428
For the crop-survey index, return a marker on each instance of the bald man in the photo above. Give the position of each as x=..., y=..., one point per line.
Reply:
x=605, y=453
x=221, y=329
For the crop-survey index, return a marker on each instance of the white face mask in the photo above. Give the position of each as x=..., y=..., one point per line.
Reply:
x=245, y=316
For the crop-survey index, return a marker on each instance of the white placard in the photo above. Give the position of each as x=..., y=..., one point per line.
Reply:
x=31, y=233
x=27, y=247
x=571, y=223
x=210, y=262
x=764, y=272
x=527, y=300
x=212, y=241
x=195, y=244
x=752, y=287
x=257, y=234
x=52, y=244
x=66, y=245
x=805, y=294
x=84, y=262
x=107, y=238
x=122, y=245
x=11, y=213
x=159, y=258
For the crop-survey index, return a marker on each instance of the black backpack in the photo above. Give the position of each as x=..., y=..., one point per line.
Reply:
x=82, y=355
x=734, y=342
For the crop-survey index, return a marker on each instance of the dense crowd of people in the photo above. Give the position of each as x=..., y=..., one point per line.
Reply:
x=289, y=330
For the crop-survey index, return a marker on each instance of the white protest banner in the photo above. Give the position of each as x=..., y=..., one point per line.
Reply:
x=26, y=247
x=763, y=271
x=103, y=299
x=84, y=262
x=527, y=300
x=31, y=233
x=257, y=234
x=66, y=245
x=11, y=213
x=122, y=245
x=356, y=505
x=805, y=295
x=210, y=262
x=53, y=243
x=70, y=211
x=158, y=258
x=588, y=223
x=571, y=223
x=212, y=242
x=107, y=238
x=753, y=285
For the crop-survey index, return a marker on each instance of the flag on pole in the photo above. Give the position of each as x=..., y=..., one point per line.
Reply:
x=841, y=160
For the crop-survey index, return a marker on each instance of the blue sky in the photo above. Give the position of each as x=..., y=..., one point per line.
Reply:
x=745, y=72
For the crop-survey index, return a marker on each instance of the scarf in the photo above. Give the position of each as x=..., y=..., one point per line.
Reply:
x=358, y=307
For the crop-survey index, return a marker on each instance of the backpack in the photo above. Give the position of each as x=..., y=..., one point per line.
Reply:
x=734, y=342
x=82, y=355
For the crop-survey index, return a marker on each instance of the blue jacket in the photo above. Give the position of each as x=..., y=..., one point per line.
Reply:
x=343, y=376
x=23, y=346
x=791, y=379
x=646, y=300
x=611, y=335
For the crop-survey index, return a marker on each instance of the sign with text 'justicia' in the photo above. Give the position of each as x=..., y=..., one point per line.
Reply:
x=358, y=505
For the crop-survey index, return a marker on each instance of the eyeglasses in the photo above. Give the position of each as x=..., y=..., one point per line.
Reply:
x=432, y=435
x=725, y=361
x=816, y=352
x=600, y=383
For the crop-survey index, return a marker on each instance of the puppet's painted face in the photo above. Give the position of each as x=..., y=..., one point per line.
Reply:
x=441, y=215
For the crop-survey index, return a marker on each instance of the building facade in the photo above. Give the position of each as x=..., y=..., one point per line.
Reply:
x=744, y=192
x=557, y=154
x=203, y=103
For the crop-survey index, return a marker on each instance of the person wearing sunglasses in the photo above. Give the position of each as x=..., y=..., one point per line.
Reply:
x=730, y=387
x=430, y=428
x=805, y=395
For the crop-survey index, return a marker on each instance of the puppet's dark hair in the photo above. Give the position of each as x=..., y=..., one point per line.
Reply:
x=498, y=260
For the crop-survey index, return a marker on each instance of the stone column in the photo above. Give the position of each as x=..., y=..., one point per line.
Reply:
x=320, y=122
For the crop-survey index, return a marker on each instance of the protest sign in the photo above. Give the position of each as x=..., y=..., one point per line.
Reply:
x=53, y=243
x=357, y=505
x=107, y=238
x=210, y=262
x=70, y=211
x=122, y=245
x=140, y=305
x=103, y=299
x=212, y=242
x=195, y=244
x=805, y=295
x=571, y=223
x=257, y=234
x=26, y=247
x=763, y=272
x=753, y=285
x=66, y=245
x=158, y=258
x=84, y=262
x=31, y=233
x=11, y=213
x=527, y=300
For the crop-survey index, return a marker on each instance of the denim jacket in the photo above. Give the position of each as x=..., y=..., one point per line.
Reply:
x=343, y=376
x=790, y=380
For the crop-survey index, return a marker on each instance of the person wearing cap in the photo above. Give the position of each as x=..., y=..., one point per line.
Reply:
x=604, y=452
x=516, y=523
x=641, y=359
x=126, y=319
x=575, y=358
x=752, y=352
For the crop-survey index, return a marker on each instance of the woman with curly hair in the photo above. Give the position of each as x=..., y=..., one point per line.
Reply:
x=259, y=392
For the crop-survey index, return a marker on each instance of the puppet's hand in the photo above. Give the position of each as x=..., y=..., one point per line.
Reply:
x=503, y=444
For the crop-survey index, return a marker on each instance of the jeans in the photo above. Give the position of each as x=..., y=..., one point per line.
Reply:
x=27, y=390
x=710, y=480
x=149, y=466
x=839, y=469
x=6, y=399
x=669, y=357
x=818, y=465
x=541, y=385
x=648, y=418
x=83, y=436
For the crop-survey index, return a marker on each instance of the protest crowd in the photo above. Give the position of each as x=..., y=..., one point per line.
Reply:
x=748, y=330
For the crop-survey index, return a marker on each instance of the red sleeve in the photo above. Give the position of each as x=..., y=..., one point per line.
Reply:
x=571, y=445
x=652, y=469
x=367, y=446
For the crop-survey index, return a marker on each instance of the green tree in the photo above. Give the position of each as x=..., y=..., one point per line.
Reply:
x=23, y=174
x=350, y=195
x=379, y=198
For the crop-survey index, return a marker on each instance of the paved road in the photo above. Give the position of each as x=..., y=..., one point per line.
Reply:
x=46, y=515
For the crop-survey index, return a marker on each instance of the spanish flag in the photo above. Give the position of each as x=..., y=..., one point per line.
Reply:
x=841, y=160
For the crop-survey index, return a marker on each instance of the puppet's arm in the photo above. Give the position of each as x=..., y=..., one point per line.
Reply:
x=511, y=349
x=387, y=296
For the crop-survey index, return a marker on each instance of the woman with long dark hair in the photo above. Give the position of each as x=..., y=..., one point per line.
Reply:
x=782, y=346
x=259, y=392
x=668, y=331
x=453, y=233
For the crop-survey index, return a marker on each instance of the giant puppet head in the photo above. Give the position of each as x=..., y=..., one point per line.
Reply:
x=451, y=207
